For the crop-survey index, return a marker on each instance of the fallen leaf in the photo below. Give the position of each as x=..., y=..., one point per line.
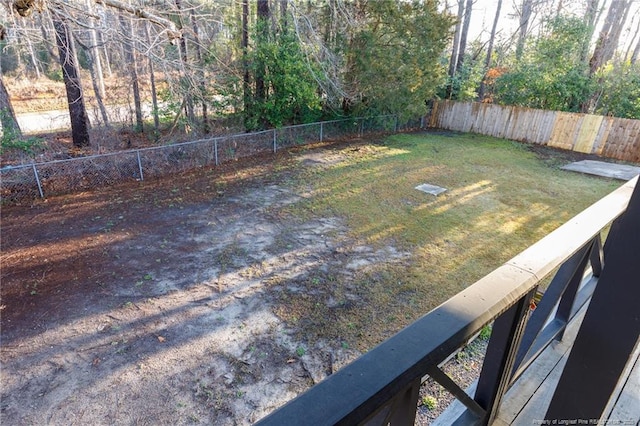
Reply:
x=161, y=339
x=96, y=362
x=291, y=360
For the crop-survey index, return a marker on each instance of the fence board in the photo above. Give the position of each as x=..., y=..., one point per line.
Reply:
x=617, y=138
x=587, y=133
x=623, y=141
x=565, y=131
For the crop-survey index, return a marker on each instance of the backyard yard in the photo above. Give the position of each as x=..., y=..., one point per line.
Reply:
x=216, y=296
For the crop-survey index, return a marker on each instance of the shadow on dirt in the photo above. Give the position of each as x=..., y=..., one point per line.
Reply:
x=163, y=302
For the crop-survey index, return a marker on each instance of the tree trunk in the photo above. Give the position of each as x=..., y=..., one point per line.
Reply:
x=617, y=30
x=264, y=16
x=46, y=39
x=70, y=74
x=201, y=77
x=32, y=53
x=152, y=77
x=636, y=53
x=18, y=57
x=331, y=21
x=559, y=9
x=130, y=57
x=523, y=29
x=107, y=59
x=283, y=15
x=606, y=45
x=609, y=35
x=463, y=34
x=95, y=54
x=95, y=84
x=628, y=55
x=246, y=76
x=453, y=62
x=185, y=62
x=7, y=115
x=487, y=63
x=590, y=16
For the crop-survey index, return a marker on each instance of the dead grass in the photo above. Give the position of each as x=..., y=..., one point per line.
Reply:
x=34, y=95
x=501, y=198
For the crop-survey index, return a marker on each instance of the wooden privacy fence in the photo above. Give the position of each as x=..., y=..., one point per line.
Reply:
x=610, y=137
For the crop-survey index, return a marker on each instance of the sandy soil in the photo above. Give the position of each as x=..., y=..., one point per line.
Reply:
x=156, y=303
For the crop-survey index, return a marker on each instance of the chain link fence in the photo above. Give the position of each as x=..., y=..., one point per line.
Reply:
x=84, y=173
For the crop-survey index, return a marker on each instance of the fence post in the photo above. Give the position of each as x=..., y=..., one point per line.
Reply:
x=396, y=126
x=422, y=122
x=140, y=165
x=275, y=143
x=35, y=172
x=215, y=150
x=321, y=130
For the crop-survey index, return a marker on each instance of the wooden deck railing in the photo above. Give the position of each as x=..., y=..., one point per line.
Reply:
x=381, y=387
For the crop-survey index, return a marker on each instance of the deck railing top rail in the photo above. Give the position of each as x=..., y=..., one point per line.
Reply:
x=375, y=388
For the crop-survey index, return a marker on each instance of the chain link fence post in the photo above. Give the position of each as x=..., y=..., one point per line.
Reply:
x=321, y=130
x=275, y=141
x=140, y=165
x=35, y=173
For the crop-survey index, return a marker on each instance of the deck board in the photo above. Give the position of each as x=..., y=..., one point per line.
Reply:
x=626, y=409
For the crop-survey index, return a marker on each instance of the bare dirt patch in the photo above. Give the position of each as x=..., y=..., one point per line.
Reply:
x=166, y=302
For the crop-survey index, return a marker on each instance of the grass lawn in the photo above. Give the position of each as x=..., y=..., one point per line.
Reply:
x=501, y=197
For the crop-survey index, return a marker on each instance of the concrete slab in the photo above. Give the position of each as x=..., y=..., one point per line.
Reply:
x=430, y=189
x=601, y=168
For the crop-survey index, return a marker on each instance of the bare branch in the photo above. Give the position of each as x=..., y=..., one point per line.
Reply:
x=171, y=29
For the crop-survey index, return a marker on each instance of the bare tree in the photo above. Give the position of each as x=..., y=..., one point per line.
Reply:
x=131, y=57
x=152, y=78
x=264, y=15
x=201, y=78
x=188, y=100
x=246, y=75
x=590, y=17
x=94, y=52
x=32, y=54
x=464, y=34
x=47, y=39
x=636, y=52
x=95, y=81
x=75, y=97
x=628, y=55
x=526, y=11
x=453, y=62
x=487, y=63
x=610, y=34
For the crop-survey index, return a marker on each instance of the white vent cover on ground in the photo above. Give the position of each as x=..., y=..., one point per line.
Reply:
x=430, y=189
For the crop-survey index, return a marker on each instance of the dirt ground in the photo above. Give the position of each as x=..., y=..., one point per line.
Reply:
x=162, y=302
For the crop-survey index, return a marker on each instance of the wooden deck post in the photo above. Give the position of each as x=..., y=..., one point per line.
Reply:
x=609, y=331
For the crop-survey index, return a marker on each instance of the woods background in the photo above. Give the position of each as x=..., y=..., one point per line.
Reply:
x=269, y=63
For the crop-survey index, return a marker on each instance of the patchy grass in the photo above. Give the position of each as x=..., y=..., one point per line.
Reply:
x=501, y=198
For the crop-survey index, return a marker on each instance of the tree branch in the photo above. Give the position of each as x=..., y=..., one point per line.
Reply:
x=25, y=7
x=171, y=29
